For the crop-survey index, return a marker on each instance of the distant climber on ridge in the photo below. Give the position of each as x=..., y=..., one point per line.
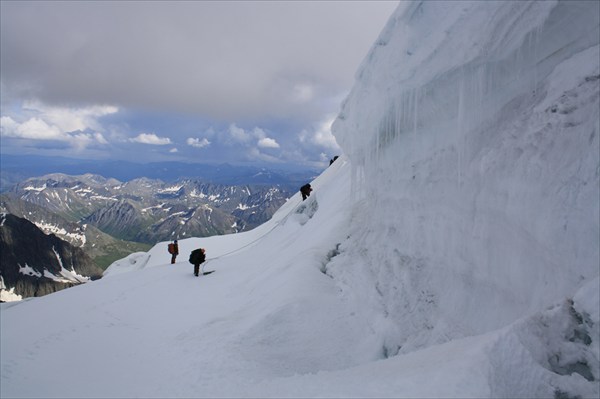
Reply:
x=305, y=190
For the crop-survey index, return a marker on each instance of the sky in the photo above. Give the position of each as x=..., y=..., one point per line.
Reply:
x=194, y=81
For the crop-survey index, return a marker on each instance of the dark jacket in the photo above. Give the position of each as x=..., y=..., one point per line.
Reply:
x=305, y=190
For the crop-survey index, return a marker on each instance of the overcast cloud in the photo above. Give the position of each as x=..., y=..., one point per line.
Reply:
x=259, y=78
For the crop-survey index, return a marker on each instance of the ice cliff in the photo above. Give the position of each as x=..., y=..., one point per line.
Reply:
x=472, y=130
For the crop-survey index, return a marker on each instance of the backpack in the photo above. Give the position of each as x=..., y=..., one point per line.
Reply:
x=197, y=256
x=171, y=248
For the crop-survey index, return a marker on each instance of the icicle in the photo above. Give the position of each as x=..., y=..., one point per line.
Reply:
x=460, y=124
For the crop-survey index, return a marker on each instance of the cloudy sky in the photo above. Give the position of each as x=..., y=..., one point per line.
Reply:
x=226, y=81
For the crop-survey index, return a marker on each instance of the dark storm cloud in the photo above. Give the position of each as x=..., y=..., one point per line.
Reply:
x=225, y=60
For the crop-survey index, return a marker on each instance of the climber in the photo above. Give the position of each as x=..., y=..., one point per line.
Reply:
x=173, y=250
x=197, y=257
x=305, y=190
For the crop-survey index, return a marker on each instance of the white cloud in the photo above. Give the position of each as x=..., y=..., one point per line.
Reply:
x=58, y=124
x=196, y=142
x=238, y=134
x=150, y=138
x=71, y=119
x=241, y=136
x=263, y=140
x=34, y=129
x=173, y=150
x=259, y=133
x=323, y=137
x=8, y=126
x=71, y=125
x=100, y=138
x=268, y=143
x=81, y=141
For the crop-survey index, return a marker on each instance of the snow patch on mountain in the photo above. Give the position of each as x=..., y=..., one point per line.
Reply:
x=244, y=207
x=33, y=188
x=171, y=189
x=8, y=294
x=66, y=276
x=29, y=271
x=74, y=238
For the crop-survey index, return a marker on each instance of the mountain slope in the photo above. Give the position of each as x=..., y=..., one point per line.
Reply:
x=267, y=277
x=36, y=264
x=101, y=247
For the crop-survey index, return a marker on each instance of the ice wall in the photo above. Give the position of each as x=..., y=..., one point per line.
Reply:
x=473, y=131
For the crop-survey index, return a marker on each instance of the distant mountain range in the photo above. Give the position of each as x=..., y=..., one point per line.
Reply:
x=147, y=210
x=15, y=169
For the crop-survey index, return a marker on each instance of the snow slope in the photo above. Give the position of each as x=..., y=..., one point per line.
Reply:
x=160, y=332
x=452, y=252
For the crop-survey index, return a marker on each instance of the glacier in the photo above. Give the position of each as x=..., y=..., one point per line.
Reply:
x=483, y=117
x=452, y=251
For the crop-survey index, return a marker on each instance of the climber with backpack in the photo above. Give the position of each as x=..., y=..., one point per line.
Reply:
x=305, y=190
x=197, y=257
x=173, y=249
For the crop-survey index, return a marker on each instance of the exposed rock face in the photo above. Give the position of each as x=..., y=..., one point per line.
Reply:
x=35, y=264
